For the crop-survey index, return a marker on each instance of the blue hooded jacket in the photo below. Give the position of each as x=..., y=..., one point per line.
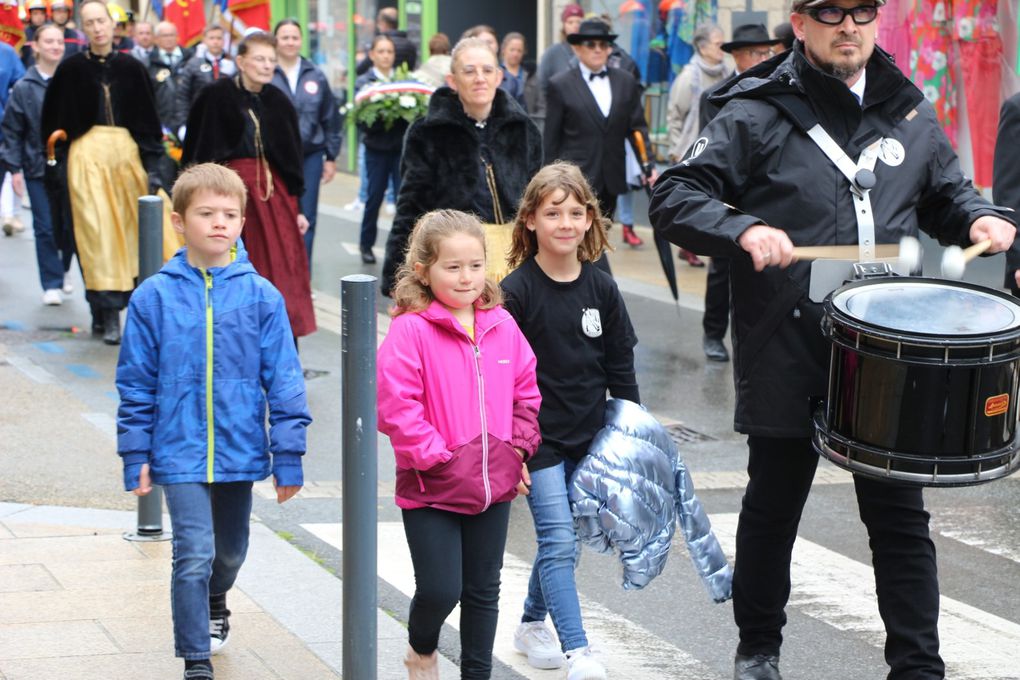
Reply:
x=202, y=352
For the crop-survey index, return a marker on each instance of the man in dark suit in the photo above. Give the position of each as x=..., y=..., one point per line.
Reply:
x=1006, y=179
x=591, y=109
x=751, y=45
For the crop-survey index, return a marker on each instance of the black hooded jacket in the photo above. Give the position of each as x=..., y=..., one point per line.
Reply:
x=755, y=164
x=440, y=165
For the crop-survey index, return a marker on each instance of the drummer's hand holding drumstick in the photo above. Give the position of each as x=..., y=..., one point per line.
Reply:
x=998, y=232
x=767, y=246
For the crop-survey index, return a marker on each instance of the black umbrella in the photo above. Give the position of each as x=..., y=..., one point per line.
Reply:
x=661, y=244
x=56, y=190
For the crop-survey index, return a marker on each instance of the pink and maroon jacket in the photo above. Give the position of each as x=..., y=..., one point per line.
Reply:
x=452, y=454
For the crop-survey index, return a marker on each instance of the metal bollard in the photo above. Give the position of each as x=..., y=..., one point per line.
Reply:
x=360, y=475
x=150, y=259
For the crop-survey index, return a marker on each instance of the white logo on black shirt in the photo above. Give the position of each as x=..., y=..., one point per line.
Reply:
x=591, y=322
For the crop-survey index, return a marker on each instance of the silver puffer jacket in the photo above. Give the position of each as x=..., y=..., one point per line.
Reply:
x=628, y=493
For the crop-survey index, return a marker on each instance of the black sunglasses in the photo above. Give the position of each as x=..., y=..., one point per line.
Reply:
x=595, y=44
x=834, y=16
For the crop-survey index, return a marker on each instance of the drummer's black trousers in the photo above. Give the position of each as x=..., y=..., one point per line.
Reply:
x=903, y=555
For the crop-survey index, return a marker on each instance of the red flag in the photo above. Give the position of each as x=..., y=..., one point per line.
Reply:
x=254, y=13
x=11, y=31
x=189, y=18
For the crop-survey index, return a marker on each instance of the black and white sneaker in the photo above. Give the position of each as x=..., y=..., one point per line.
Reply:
x=219, y=632
x=198, y=670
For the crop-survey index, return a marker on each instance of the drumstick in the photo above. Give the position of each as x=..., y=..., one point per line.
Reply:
x=55, y=137
x=955, y=259
x=850, y=252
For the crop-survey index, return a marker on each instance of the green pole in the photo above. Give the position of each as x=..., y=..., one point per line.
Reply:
x=429, y=24
x=352, y=67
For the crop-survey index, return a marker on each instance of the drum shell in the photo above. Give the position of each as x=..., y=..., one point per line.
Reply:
x=922, y=409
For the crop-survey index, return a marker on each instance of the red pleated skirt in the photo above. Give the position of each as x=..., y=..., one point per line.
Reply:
x=274, y=244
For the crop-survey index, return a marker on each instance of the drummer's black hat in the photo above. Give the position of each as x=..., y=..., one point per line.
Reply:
x=592, y=29
x=750, y=34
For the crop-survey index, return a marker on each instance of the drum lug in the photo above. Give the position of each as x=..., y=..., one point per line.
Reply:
x=872, y=270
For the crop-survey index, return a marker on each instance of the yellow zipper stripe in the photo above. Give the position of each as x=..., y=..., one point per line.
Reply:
x=210, y=435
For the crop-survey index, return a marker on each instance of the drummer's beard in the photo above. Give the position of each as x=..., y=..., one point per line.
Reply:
x=845, y=69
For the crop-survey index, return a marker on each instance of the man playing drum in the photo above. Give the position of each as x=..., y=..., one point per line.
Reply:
x=763, y=178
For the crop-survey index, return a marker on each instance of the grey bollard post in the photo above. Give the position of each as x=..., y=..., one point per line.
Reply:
x=360, y=475
x=150, y=259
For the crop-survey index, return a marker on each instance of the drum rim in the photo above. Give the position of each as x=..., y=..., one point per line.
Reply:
x=823, y=434
x=833, y=313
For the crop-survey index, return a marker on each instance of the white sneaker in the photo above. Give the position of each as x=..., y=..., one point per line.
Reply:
x=355, y=206
x=390, y=210
x=537, y=642
x=68, y=287
x=585, y=664
x=52, y=297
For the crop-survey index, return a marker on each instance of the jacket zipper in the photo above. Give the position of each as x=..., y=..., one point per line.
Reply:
x=485, y=429
x=210, y=435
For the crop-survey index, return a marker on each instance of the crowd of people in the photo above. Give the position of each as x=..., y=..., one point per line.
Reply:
x=489, y=387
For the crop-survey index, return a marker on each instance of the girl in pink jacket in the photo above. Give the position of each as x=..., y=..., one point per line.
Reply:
x=459, y=401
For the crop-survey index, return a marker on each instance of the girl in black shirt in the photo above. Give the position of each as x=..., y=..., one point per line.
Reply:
x=573, y=315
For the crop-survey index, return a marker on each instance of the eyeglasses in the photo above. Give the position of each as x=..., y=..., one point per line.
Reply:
x=834, y=16
x=470, y=71
x=762, y=53
x=595, y=44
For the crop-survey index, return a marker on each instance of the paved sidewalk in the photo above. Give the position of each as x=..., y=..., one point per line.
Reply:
x=79, y=602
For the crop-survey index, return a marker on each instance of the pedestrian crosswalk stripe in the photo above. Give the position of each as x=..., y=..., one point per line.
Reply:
x=827, y=586
x=841, y=592
x=629, y=650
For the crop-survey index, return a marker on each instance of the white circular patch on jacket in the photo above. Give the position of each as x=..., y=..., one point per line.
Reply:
x=697, y=148
x=311, y=87
x=891, y=152
x=591, y=322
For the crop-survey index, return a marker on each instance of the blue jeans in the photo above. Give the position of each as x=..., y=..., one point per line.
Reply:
x=383, y=167
x=309, y=203
x=551, y=588
x=52, y=262
x=391, y=195
x=625, y=208
x=210, y=541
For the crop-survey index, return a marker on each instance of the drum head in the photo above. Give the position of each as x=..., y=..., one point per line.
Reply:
x=927, y=307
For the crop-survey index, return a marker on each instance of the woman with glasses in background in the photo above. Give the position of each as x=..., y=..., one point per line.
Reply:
x=475, y=151
x=249, y=125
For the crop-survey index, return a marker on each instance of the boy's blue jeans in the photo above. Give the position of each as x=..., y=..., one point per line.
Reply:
x=210, y=541
x=552, y=588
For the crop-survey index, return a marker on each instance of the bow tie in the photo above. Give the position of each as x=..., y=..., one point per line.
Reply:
x=604, y=73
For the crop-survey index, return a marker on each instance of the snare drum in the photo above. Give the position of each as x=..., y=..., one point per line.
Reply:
x=922, y=381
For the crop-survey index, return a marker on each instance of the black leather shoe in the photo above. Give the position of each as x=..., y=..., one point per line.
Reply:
x=111, y=326
x=367, y=257
x=715, y=350
x=757, y=667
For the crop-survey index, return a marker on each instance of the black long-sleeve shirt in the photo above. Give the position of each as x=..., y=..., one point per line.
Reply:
x=582, y=336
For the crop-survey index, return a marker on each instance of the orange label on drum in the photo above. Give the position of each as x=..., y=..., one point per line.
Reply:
x=997, y=405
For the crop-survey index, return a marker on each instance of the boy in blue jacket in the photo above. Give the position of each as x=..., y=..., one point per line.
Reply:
x=205, y=346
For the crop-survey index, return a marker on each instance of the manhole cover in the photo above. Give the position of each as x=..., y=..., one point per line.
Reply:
x=682, y=434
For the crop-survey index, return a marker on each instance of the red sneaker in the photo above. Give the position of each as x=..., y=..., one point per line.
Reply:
x=690, y=258
x=630, y=238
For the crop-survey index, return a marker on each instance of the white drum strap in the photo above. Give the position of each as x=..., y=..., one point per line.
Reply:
x=853, y=172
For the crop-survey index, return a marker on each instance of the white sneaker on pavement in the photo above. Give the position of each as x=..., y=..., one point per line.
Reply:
x=355, y=206
x=52, y=297
x=538, y=643
x=585, y=664
x=68, y=287
x=390, y=209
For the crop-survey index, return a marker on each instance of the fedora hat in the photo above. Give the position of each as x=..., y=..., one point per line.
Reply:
x=592, y=29
x=749, y=34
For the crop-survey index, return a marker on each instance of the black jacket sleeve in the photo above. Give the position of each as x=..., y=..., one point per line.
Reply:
x=1006, y=175
x=688, y=201
x=329, y=118
x=12, y=131
x=551, y=135
x=416, y=175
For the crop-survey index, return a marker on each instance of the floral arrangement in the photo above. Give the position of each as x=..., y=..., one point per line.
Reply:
x=386, y=103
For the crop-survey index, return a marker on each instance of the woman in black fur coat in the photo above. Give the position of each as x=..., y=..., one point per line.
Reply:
x=473, y=133
x=250, y=126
